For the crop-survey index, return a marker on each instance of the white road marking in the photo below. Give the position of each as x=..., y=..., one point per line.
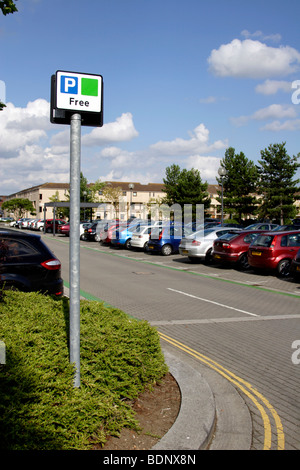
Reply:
x=213, y=302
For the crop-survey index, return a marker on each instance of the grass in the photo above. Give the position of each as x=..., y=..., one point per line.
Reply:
x=40, y=409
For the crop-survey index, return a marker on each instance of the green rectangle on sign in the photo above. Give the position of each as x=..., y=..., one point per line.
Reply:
x=89, y=86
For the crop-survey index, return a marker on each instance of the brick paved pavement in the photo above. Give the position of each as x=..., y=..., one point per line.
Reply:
x=257, y=349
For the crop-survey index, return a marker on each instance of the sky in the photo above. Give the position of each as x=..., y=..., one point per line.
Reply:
x=183, y=81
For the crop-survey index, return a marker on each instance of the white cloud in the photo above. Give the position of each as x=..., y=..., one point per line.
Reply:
x=277, y=126
x=253, y=59
x=271, y=87
x=208, y=166
x=30, y=154
x=261, y=35
x=23, y=126
x=198, y=143
x=274, y=111
x=119, y=131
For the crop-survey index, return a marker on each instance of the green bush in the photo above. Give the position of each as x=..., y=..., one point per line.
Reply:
x=40, y=409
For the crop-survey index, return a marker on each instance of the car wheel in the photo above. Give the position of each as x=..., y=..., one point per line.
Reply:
x=166, y=250
x=283, y=268
x=82, y=237
x=146, y=248
x=208, y=256
x=243, y=262
x=97, y=237
x=128, y=244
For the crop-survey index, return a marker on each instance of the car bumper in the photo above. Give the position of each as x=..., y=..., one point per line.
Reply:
x=191, y=252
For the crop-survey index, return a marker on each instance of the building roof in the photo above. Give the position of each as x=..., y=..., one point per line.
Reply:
x=124, y=185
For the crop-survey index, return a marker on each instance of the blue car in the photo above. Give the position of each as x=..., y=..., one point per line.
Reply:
x=122, y=237
x=165, y=239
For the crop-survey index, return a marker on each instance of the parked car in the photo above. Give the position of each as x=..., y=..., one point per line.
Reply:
x=19, y=222
x=106, y=234
x=295, y=266
x=64, y=229
x=38, y=225
x=262, y=226
x=285, y=228
x=198, y=246
x=233, y=247
x=83, y=226
x=49, y=225
x=26, y=263
x=274, y=251
x=121, y=236
x=31, y=224
x=93, y=230
x=140, y=237
x=165, y=239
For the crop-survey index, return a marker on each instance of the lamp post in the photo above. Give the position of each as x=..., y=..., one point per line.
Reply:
x=222, y=172
x=84, y=199
x=130, y=186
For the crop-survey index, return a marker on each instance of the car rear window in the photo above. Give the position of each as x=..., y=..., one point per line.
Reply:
x=229, y=236
x=11, y=248
x=263, y=240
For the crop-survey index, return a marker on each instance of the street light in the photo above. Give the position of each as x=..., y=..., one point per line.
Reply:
x=84, y=199
x=222, y=172
x=130, y=186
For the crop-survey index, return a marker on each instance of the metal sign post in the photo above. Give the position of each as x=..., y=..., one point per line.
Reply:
x=76, y=99
x=74, y=250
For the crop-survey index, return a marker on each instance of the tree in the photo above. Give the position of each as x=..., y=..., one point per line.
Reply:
x=19, y=206
x=6, y=6
x=185, y=187
x=239, y=185
x=276, y=185
x=113, y=194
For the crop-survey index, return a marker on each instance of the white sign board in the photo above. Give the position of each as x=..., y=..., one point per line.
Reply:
x=78, y=92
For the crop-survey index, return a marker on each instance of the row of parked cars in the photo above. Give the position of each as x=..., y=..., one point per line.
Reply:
x=37, y=224
x=260, y=246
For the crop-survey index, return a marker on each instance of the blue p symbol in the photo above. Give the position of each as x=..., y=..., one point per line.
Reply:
x=69, y=84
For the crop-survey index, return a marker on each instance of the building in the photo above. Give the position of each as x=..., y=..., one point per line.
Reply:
x=118, y=199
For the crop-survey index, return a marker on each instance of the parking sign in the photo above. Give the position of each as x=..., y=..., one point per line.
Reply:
x=73, y=92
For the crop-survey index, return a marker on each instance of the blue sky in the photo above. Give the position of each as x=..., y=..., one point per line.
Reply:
x=183, y=81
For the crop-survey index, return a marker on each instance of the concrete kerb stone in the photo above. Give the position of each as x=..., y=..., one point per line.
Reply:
x=196, y=419
x=211, y=408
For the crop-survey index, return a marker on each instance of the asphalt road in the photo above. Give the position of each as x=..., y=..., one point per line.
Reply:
x=239, y=324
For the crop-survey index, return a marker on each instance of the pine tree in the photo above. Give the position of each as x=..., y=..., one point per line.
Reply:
x=276, y=185
x=185, y=187
x=239, y=185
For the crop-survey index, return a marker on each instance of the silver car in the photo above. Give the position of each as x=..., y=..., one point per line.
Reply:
x=198, y=245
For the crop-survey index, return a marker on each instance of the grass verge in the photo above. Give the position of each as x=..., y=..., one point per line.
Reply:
x=39, y=407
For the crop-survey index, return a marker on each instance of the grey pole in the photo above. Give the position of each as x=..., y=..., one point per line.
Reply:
x=74, y=269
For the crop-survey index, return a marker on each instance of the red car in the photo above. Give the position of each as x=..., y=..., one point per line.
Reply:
x=49, y=225
x=107, y=233
x=233, y=247
x=64, y=229
x=274, y=251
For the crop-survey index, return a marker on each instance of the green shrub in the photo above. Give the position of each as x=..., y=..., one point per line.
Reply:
x=40, y=409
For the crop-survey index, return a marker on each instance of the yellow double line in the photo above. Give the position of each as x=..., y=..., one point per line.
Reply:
x=257, y=398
